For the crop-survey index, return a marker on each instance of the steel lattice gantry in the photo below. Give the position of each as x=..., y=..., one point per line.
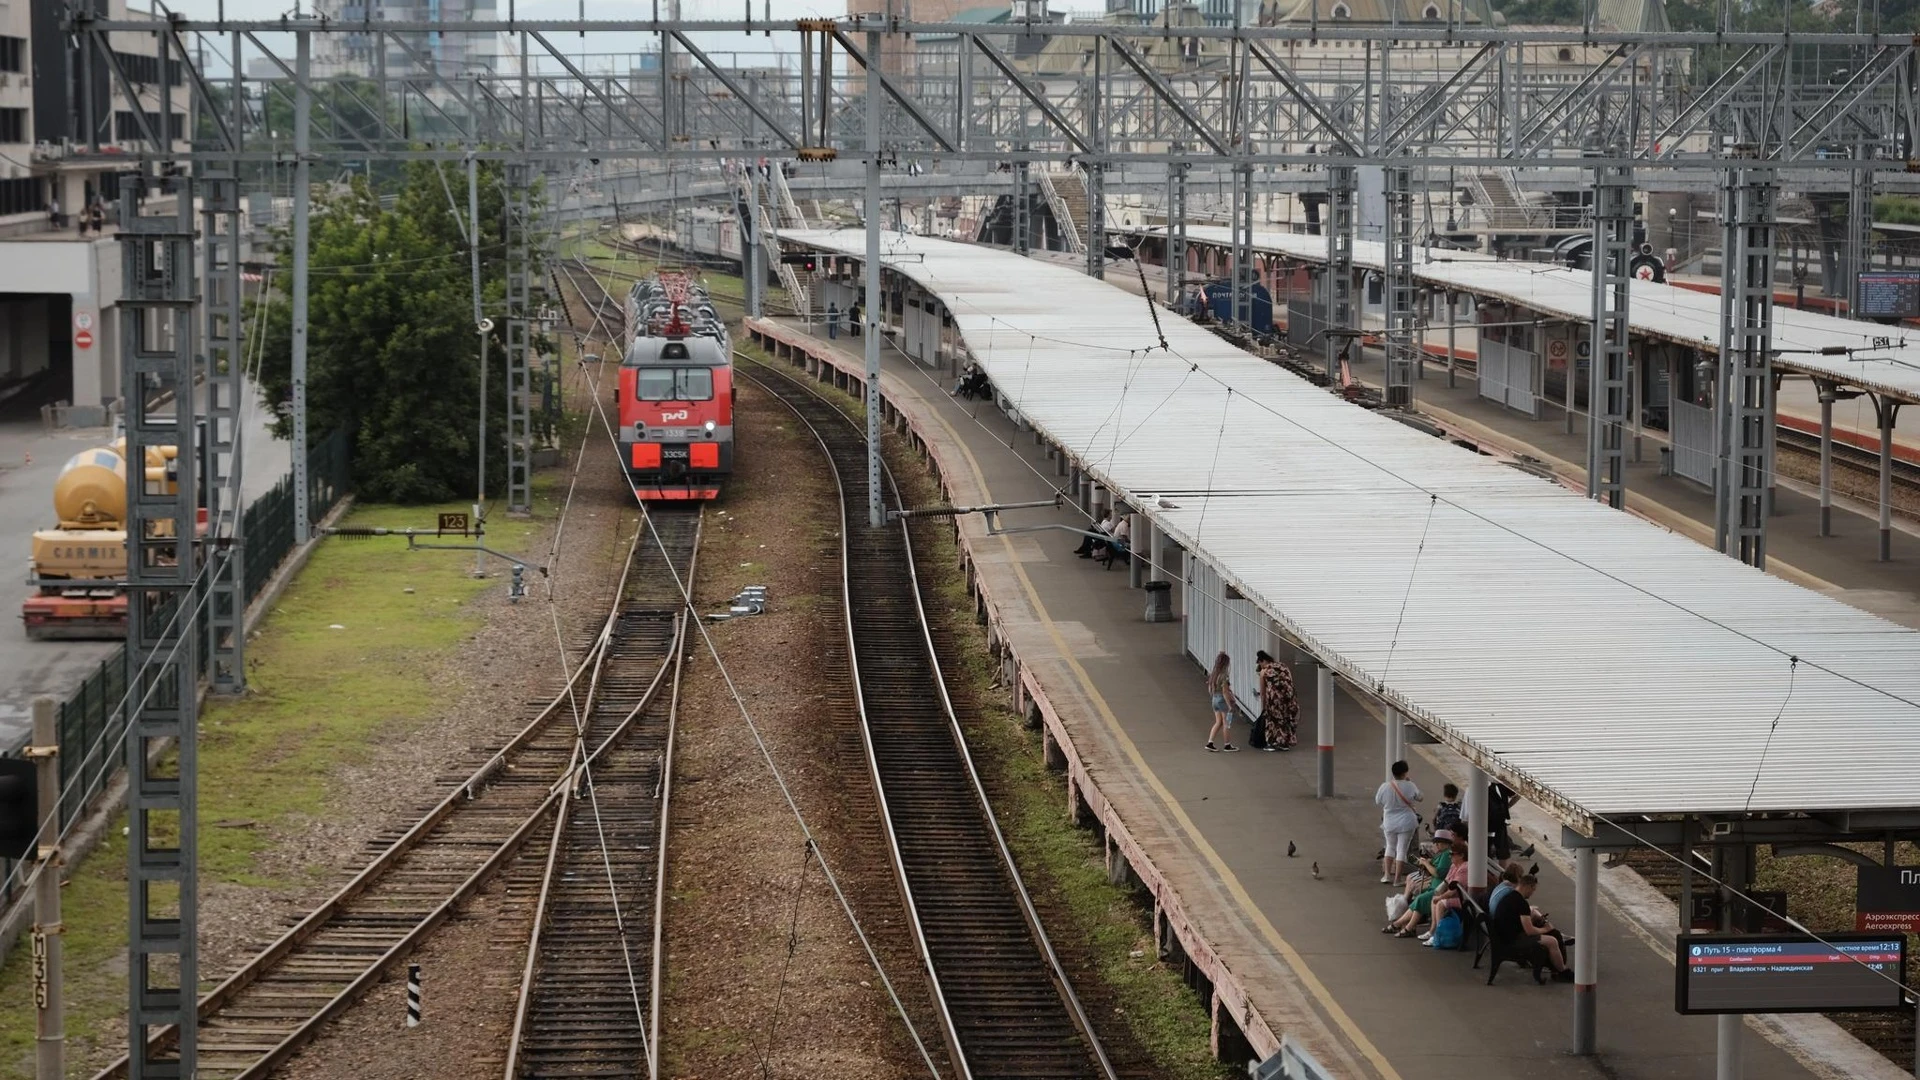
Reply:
x=519, y=326
x=1339, y=273
x=1610, y=394
x=1242, y=268
x=1402, y=342
x=1744, y=406
x=1022, y=208
x=1177, y=173
x=158, y=344
x=223, y=375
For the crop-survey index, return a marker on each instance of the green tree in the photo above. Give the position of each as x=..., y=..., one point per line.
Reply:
x=392, y=352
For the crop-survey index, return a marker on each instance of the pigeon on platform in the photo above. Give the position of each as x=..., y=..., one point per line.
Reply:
x=1291, y=850
x=1316, y=871
x=1534, y=869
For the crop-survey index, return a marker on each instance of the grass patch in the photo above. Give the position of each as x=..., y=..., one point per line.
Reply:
x=319, y=698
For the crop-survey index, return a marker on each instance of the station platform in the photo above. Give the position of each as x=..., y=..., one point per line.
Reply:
x=1290, y=952
x=1845, y=565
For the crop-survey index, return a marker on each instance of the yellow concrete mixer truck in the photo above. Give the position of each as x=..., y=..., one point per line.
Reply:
x=79, y=568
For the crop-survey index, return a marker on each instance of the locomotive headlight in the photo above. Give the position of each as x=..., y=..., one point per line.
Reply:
x=710, y=426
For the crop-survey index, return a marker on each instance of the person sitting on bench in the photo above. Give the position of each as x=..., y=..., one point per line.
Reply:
x=1522, y=932
x=1119, y=545
x=975, y=384
x=1088, y=541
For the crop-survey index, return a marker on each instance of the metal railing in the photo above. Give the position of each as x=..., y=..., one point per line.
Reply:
x=1062, y=216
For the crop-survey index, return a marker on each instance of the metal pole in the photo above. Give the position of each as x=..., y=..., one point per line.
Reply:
x=302, y=122
x=1388, y=747
x=1888, y=411
x=1477, y=832
x=1324, y=724
x=1727, y=1057
x=1586, y=953
x=1609, y=394
x=1452, y=340
x=50, y=1025
x=876, y=513
x=1826, y=459
x=1156, y=553
x=479, y=327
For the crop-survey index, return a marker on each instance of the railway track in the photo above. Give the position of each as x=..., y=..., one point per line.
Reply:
x=589, y=1002
x=605, y=315
x=482, y=817
x=1005, y=1003
x=1906, y=475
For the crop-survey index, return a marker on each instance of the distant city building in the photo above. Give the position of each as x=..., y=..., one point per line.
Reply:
x=59, y=331
x=413, y=53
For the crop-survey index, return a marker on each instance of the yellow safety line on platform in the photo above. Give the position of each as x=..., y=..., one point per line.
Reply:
x=1241, y=896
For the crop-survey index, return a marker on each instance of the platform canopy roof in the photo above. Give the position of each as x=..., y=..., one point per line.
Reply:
x=1603, y=664
x=1656, y=309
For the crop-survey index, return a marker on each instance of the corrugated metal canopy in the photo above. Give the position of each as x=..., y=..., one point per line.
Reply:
x=1658, y=309
x=1609, y=666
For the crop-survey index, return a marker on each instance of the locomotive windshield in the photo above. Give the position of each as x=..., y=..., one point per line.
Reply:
x=674, y=384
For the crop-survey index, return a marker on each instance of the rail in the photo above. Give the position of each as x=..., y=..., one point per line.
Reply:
x=352, y=967
x=982, y=978
x=578, y=987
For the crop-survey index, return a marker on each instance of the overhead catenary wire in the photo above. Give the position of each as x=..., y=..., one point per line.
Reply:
x=684, y=590
x=1434, y=498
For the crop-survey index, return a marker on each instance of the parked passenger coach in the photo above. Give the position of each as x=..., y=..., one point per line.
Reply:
x=675, y=392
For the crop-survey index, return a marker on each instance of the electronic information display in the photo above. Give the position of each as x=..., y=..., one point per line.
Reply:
x=1889, y=295
x=1784, y=973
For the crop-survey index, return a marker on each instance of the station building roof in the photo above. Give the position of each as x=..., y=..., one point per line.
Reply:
x=1604, y=665
x=1655, y=309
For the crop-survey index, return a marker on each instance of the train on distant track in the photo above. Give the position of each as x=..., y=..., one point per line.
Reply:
x=675, y=392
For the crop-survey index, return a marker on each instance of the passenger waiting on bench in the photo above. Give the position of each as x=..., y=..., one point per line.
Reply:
x=1117, y=547
x=974, y=384
x=1433, y=872
x=1088, y=541
x=1523, y=932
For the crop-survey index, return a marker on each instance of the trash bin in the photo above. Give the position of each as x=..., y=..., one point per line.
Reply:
x=1159, y=601
x=1666, y=461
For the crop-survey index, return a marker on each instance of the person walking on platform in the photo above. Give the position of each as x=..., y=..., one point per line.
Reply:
x=1279, y=724
x=1220, y=696
x=1398, y=822
x=833, y=321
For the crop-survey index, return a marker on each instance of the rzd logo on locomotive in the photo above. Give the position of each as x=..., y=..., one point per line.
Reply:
x=677, y=414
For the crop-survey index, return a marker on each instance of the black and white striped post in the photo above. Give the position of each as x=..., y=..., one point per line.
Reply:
x=413, y=995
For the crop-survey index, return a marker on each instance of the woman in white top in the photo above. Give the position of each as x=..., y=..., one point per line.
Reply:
x=1398, y=822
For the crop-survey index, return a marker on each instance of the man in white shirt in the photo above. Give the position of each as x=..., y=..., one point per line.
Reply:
x=1089, y=542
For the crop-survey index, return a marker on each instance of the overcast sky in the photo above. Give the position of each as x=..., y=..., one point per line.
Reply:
x=754, y=49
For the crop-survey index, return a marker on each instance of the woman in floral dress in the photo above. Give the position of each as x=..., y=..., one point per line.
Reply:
x=1279, y=710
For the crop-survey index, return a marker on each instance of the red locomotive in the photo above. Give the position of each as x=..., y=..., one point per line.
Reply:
x=675, y=392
